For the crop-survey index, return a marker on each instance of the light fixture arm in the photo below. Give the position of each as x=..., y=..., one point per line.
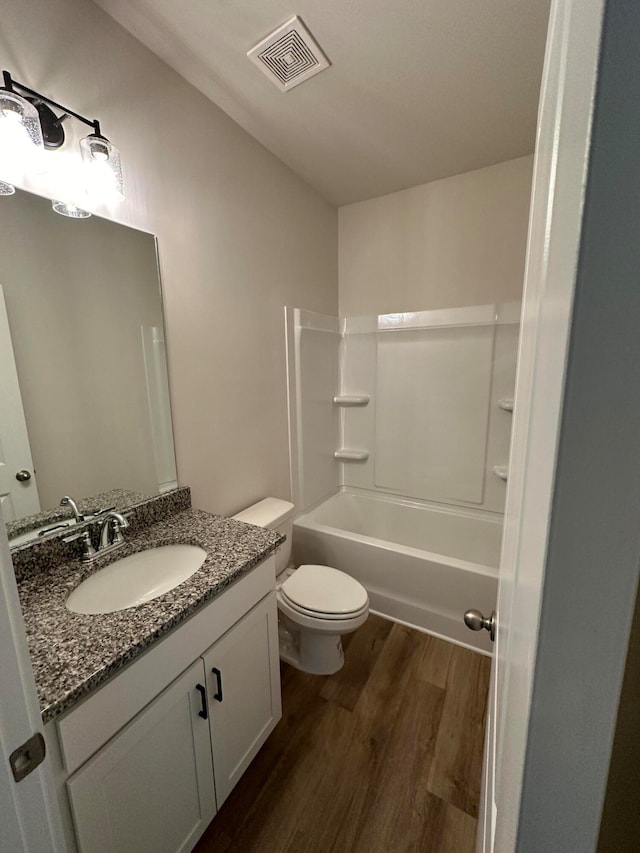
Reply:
x=12, y=85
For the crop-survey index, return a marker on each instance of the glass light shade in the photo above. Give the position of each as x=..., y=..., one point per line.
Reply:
x=6, y=189
x=21, y=143
x=71, y=210
x=103, y=170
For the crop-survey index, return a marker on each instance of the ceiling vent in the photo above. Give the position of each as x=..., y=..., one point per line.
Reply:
x=289, y=55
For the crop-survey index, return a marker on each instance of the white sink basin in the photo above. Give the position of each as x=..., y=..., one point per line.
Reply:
x=136, y=579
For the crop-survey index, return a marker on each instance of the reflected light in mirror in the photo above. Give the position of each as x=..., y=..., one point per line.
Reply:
x=66, y=209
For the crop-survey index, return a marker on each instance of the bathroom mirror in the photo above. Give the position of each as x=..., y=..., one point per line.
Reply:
x=83, y=376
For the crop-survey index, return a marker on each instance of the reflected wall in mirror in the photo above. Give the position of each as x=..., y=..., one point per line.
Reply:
x=83, y=374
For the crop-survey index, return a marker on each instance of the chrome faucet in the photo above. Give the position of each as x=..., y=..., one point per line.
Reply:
x=67, y=501
x=110, y=537
x=111, y=529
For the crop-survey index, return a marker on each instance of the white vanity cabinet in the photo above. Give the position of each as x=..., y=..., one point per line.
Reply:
x=146, y=760
x=243, y=689
x=150, y=789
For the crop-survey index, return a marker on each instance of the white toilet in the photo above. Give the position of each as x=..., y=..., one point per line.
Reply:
x=316, y=604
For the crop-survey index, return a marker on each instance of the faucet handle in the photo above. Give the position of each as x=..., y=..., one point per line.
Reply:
x=103, y=511
x=111, y=526
x=119, y=522
x=88, y=552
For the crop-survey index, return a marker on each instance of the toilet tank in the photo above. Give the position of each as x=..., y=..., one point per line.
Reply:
x=273, y=514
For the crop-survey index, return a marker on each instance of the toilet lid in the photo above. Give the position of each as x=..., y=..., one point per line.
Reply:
x=322, y=589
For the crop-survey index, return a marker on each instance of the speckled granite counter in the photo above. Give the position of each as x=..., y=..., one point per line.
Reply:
x=72, y=654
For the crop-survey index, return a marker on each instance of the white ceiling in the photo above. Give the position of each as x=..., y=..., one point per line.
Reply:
x=417, y=90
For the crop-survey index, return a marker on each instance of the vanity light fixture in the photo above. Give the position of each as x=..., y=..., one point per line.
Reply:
x=21, y=140
x=31, y=122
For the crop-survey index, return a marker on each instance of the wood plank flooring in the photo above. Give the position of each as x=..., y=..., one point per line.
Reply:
x=383, y=757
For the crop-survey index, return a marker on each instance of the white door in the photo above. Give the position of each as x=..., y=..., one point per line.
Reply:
x=243, y=686
x=560, y=173
x=18, y=489
x=150, y=789
x=29, y=818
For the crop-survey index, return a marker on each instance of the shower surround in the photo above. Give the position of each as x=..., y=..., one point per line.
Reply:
x=399, y=442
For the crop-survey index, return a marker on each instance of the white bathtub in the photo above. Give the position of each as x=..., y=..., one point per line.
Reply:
x=421, y=565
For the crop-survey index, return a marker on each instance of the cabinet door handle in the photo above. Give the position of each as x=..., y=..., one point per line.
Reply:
x=218, y=676
x=203, y=696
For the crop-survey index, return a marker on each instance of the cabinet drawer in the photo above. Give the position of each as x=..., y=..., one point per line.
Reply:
x=96, y=719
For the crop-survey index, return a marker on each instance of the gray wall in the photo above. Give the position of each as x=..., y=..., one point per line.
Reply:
x=450, y=243
x=240, y=236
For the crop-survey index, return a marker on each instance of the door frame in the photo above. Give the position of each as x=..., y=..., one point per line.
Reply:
x=592, y=561
x=571, y=557
x=555, y=224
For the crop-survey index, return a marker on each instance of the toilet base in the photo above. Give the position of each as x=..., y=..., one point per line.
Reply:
x=315, y=653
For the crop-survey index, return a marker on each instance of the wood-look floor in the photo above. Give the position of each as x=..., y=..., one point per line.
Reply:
x=383, y=757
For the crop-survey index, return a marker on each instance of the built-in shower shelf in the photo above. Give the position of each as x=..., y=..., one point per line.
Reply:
x=506, y=404
x=351, y=400
x=351, y=455
x=501, y=471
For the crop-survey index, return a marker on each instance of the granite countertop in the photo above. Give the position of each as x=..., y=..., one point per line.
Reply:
x=72, y=654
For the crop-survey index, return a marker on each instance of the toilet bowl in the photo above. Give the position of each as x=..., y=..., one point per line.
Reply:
x=316, y=604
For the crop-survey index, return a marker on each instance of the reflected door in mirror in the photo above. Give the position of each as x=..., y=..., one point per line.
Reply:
x=18, y=488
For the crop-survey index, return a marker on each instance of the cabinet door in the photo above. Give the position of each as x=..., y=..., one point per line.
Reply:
x=150, y=789
x=243, y=686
